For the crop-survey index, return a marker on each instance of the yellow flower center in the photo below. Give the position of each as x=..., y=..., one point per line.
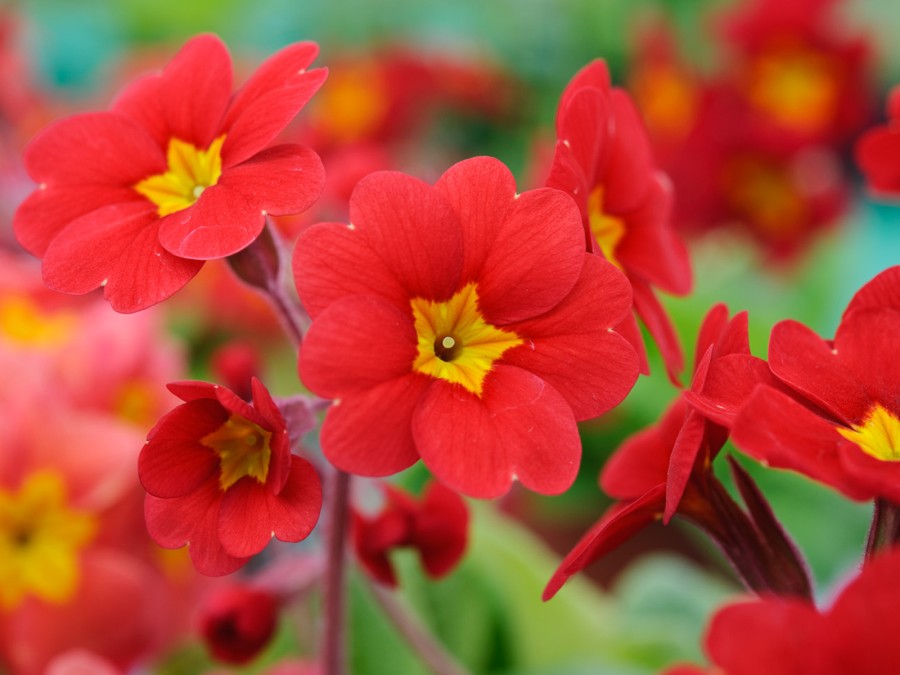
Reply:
x=766, y=196
x=190, y=172
x=796, y=86
x=878, y=435
x=40, y=540
x=455, y=342
x=243, y=449
x=607, y=230
x=24, y=323
x=667, y=98
x=352, y=103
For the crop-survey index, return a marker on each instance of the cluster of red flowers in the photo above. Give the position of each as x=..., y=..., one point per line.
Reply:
x=472, y=326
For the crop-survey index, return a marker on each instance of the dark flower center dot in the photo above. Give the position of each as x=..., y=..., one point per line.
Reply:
x=447, y=347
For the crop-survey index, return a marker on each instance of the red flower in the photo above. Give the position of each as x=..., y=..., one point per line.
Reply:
x=841, y=423
x=462, y=324
x=436, y=526
x=878, y=150
x=666, y=469
x=604, y=160
x=177, y=172
x=238, y=621
x=221, y=477
x=782, y=636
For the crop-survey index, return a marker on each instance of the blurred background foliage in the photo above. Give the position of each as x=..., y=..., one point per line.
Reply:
x=489, y=612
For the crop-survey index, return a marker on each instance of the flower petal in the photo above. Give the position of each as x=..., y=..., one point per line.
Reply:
x=370, y=433
x=656, y=319
x=187, y=99
x=269, y=100
x=251, y=515
x=412, y=227
x=806, y=363
x=332, y=261
x=174, y=463
x=882, y=291
x=116, y=247
x=573, y=349
x=521, y=428
x=358, y=342
x=866, y=341
x=616, y=526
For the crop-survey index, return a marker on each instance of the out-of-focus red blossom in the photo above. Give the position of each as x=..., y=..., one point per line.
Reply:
x=801, y=79
x=840, y=421
x=665, y=469
x=177, y=172
x=437, y=526
x=81, y=662
x=220, y=477
x=463, y=324
x=238, y=621
x=782, y=636
x=236, y=364
x=605, y=162
x=878, y=151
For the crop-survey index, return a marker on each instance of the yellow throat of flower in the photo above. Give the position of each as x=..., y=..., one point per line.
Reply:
x=455, y=343
x=668, y=100
x=40, y=541
x=608, y=230
x=796, y=86
x=878, y=435
x=243, y=449
x=190, y=172
x=24, y=323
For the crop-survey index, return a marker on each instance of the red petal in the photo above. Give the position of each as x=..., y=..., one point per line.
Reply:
x=595, y=74
x=573, y=349
x=284, y=180
x=642, y=461
x=776, y=636
x=370, y=433
x=187, y=99
x=655, y=317
x=778, y=431
x=583, y=126
x=685, y=451
x=713, y=324
x=481, y=191
x=651, y=249
x=413, y=229
x=805, y=362
x=616, y=526
x=882, y=291
x=332, y=261
x=536, y=258
x=629, y=173
x=192, y=520
x=866, y=341
x=174, y=462
x=521, y=428
x=269, y=100
x=877, y=151
x=93, y=148
x=357, y=343
x=46, y=212
x=251, y=515
x=440, y=529
x=116, y=246
x=728, y=384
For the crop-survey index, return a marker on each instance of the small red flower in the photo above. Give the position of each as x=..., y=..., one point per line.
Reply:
x=666, y=469
x=221, y=478
x=783, y=636
x=605, y=162
x=238, y=621
x=463, y=324
x=878, y=151
x=840, y=422
x=177, y=172
x=437, y=526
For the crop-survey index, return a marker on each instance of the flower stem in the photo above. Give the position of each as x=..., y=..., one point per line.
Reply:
x=885, y=529
x=438, y=660
x=333, y=646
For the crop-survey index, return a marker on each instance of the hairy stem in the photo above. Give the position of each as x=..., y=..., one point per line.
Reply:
x=334, y=653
